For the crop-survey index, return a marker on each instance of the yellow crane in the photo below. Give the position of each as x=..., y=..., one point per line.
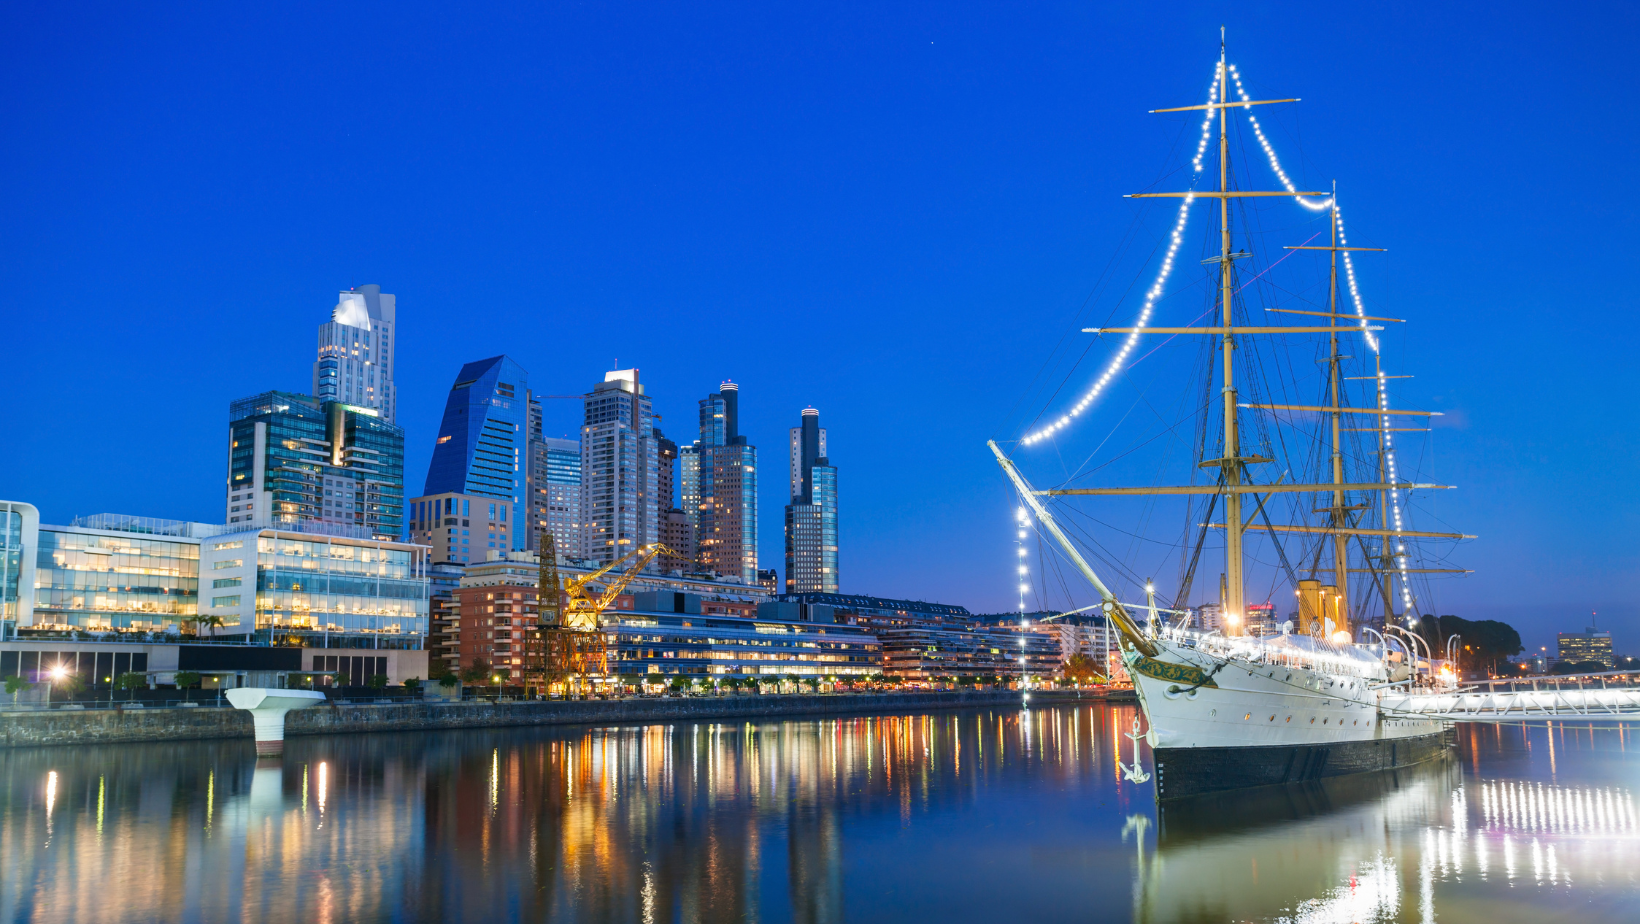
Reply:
x=568, y=645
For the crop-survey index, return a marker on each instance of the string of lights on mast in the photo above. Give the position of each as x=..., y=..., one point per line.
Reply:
x=1154, y=294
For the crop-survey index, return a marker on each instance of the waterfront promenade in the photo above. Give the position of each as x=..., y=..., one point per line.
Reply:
x=110, y=725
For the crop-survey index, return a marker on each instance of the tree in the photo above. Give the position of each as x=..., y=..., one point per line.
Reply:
x=186, y=680
x=448, y=680
x=1578, y=667
x=412, y=685
x=733, y=683
x=378, y=682
x=477, y=672
x=1083, y=669
x=655, y=680
x=72, y=684
x=130, y=680
x=16, y=685
x=1483, y=644
x=813, y=683
x=340, y=679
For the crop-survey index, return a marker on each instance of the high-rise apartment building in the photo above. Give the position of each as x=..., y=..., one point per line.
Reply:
x=619, y=468
x=461, y=528
x=297, y=463
x=725, y=485
x=355, y=364
x=482, y=440
x=676, y=532
x=811, y=517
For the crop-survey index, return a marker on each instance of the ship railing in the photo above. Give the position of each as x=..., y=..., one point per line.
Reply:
x=1474, y=704
x=1258, y=651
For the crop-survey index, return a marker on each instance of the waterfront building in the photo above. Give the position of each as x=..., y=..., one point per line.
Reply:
x=882, y=611
x=460, y=528
x=726, y=484
x=482, y=440
x=19, y=541
x=923, y=653
x=619, y=468
x=277, y=587
x=811, y=517
x=1589, y=645
x=126, y=575
x=769, y=580
x=355, y=362
x=295, y=462
x=100, y=661
x=1261, y=619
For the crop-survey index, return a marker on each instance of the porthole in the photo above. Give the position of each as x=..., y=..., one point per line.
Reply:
x=1312, y=720
x=1247, y=716
x=1323, y=721
x=1272, y=718
x=1289, y=718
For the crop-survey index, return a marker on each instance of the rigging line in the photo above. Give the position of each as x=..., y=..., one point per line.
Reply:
x=1098, y=285
x=1151, y=296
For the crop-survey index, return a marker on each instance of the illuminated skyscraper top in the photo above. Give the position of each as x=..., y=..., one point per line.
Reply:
x=355, y=364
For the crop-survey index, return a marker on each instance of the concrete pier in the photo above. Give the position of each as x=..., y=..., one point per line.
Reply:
x=267, y=708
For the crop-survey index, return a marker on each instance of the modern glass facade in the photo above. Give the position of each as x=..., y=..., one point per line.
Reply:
x=19, y=535
x=109, y=580
x=483, y=438
x=644, y=644
x=555, y=494
x=312, y=584
x=294, y=462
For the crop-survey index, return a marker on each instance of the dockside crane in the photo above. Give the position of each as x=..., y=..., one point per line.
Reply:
x=568, y=644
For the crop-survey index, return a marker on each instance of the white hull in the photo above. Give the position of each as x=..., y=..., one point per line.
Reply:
x=1245, y=703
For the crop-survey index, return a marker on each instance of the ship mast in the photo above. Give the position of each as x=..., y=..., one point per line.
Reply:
x=1230, y=461
x=1236, y=481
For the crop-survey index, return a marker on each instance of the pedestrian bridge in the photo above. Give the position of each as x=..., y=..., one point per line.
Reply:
x=1594, y=697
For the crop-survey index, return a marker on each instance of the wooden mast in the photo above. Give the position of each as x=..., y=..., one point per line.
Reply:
x=1341, y=567
x=1229, y=460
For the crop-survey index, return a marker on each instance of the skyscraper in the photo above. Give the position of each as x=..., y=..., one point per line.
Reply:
x=294, y=461
x=355, y=364
x=725, y=516
x=553, y=485
x=811, y=517
x=482, y=441
x=676, y=532
x=619, y=469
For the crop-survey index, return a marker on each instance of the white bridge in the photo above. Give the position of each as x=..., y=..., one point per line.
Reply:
x=1589, y=697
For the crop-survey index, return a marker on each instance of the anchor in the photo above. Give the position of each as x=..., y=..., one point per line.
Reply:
x=1135, y=773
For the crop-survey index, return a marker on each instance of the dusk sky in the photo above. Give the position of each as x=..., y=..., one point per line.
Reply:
x=890, y=212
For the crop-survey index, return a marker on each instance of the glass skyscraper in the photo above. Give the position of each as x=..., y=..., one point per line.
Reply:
x=355, y=364
x=483, y=439
x=298, y=463
x=811, y=517
x=724, y=476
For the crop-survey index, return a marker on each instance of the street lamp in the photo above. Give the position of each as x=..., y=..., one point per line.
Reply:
x=57, y=674
x=497, y=679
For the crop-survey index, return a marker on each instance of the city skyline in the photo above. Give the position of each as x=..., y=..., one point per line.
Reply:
x=928, y=228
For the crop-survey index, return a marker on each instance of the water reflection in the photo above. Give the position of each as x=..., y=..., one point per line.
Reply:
x=976, y=815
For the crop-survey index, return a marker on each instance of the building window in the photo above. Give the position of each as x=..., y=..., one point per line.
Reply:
x=236, y=544
x=225, y=601
x=220, y=583
x=227, y=563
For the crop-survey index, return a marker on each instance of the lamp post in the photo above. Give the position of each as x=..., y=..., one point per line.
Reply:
x=497, y=679
x=57, y=673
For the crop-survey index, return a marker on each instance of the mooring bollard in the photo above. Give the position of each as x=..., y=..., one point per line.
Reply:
x=267, y=708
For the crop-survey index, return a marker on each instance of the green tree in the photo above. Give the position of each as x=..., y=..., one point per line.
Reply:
x=733, y=683
x=412, y=685
x=15, y=686
x=655, y=680
x=132, y=681
x=477, y=672
x=186, y=680
x=378, y=682
x=813, y=684
x=71, y=684
x=447, y=681
x=341, y=679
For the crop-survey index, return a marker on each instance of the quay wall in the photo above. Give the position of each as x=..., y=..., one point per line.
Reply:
x=105, y=726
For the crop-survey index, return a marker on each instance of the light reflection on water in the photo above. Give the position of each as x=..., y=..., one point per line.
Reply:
x=955, y=816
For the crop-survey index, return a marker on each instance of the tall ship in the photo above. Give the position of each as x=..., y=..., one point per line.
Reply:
x=1297, y=479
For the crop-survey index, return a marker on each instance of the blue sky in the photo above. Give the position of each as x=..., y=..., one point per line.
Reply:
x=889, y=211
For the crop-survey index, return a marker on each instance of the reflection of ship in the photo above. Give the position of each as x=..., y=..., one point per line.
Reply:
x=1228, y=709
x=1327, y=851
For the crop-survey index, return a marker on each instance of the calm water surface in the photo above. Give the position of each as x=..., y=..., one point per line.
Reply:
x=988, y=815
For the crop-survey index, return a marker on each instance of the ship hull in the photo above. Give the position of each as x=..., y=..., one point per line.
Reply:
x=1186, y=772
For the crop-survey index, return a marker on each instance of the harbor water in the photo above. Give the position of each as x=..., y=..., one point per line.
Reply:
x=975, y=815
